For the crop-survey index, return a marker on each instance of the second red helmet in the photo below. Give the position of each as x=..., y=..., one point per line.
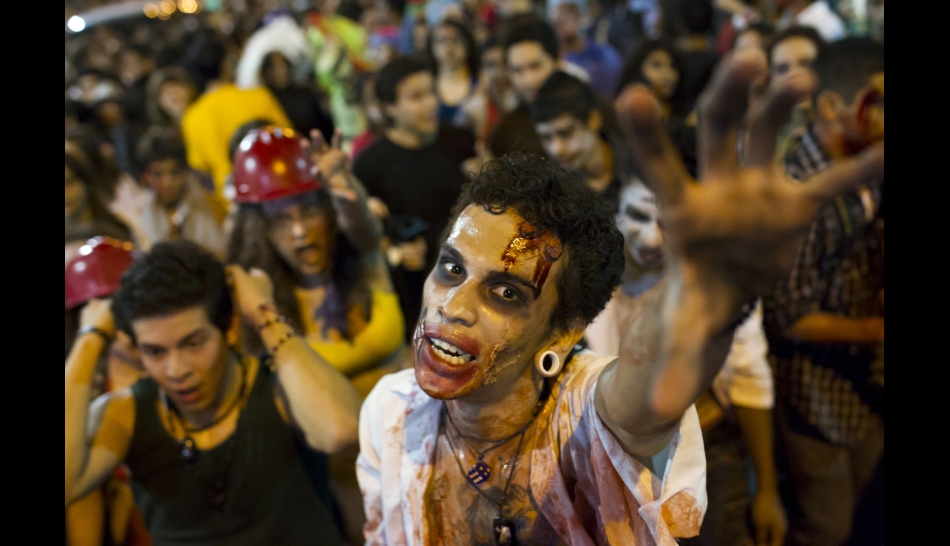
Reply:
x=95, y=272
x=271, y=164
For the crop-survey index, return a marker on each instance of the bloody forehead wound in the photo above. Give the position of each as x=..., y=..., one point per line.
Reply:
x=546, y=246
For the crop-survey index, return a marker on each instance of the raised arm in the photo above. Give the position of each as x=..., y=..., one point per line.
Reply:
x=98, y=433
x=730, y=234
x=322, y=404
x=349, y=196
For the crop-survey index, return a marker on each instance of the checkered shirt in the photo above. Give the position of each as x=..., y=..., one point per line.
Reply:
x=840, y=270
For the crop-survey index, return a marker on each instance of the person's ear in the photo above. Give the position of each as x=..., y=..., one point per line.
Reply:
x=595, y=121
x=551, y=358
x=828, y=106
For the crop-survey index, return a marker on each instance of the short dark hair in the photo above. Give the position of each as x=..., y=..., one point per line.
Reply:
x=173, y=277
x=390, y=76
x=554, y=200
x=158, y=144
x=560, y=94
x=846, y=66
x=808, y=33
x=533, y=30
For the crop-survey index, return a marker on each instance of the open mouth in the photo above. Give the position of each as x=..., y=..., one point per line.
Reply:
x=187, y=396
x=651, y=256
x=307, y=253
x=450, y=353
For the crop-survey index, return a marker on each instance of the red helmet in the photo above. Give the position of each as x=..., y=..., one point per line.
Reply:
x=270, y=164
x=96, y=270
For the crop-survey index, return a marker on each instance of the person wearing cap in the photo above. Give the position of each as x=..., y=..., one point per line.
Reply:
x=215, y=439
x=302, y=219
x=94, y=272
x=314, y=236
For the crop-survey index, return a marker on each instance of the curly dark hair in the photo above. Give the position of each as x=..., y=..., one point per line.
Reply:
x=249, y=248
x=555, y=200
x=174, y=276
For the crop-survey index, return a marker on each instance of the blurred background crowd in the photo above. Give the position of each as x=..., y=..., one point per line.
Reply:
x=160, y=94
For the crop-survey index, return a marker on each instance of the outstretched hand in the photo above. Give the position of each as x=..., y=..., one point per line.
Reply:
x=733, y=231
x=332, y=165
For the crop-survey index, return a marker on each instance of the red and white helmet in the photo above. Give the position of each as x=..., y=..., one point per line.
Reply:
x=96, y=270
x=271, y=164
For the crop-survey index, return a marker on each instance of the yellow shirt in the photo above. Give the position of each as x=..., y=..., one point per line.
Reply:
x=382, y=336
x=210, y=122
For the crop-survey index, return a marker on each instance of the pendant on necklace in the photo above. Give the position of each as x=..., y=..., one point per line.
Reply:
x=504, y=531
x=479, y=473
x=188, y=451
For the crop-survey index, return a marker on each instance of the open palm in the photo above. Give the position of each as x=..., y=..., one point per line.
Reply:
x=736, y=229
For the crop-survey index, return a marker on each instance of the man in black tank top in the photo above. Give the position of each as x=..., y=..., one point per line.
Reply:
x=218, y=442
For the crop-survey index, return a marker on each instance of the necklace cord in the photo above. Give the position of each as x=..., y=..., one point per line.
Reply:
x=520, y=432
x=504, y=495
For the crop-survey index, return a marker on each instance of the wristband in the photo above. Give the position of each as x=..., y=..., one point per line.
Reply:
x=89, y=329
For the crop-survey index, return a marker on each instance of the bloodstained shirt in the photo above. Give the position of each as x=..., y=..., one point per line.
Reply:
x=581, y=480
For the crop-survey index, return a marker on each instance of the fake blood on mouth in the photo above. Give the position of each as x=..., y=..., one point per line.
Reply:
x=544, y=243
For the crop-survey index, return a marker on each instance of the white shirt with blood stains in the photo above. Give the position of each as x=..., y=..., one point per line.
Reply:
x=399, y=425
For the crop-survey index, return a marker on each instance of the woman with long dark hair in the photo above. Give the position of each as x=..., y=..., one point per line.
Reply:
x=86, y=214
x=657, y=65
x=315, y=238
x=454, y=58
x=320, y=245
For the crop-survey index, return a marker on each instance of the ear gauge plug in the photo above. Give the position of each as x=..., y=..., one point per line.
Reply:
x=548, y=364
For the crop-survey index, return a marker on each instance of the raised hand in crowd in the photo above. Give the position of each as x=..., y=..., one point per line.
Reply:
x=729, y=234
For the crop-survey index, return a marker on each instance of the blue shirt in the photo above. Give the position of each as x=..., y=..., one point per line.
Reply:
x=602, y=64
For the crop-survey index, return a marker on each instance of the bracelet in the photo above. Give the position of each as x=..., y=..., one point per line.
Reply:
x=280, y=319
x=280, y=342
x=89, y=329
x=266, y=309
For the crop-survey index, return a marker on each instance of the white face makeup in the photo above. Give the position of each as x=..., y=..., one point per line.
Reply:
x=638, y=221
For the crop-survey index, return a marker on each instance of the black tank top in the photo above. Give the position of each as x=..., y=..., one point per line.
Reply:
x=268, y=499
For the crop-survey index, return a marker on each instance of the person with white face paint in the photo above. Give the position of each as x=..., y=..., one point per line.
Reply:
x=572, y=132
x=739, y=403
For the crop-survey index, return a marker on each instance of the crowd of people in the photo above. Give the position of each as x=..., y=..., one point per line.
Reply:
x=307, y=255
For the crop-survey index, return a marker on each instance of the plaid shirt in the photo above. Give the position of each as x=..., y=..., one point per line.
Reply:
x=839, y=270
